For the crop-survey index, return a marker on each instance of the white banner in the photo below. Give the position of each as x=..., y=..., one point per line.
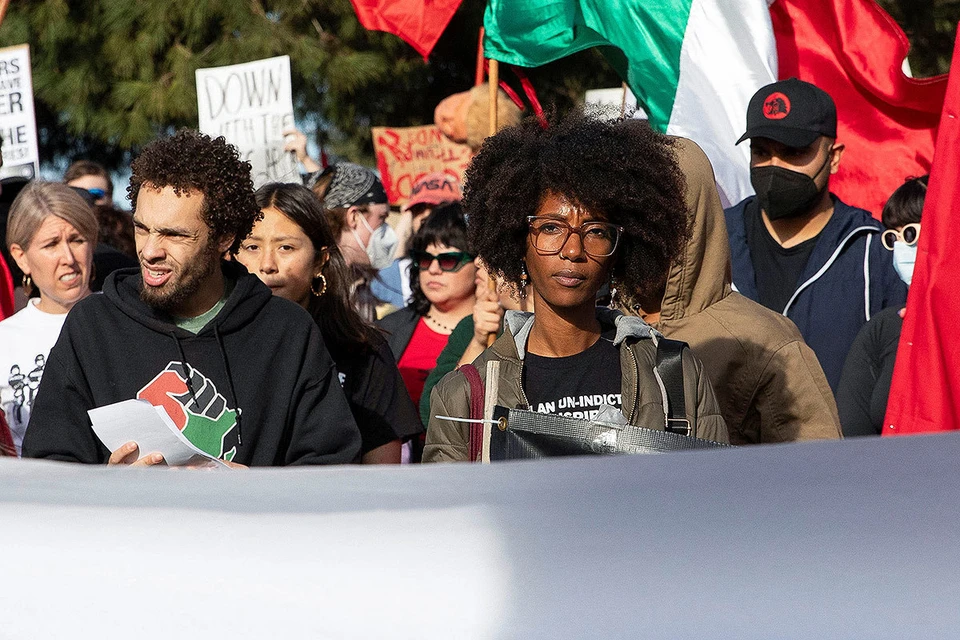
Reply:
x=842, y=539
x=18, y=123
x=250, y=105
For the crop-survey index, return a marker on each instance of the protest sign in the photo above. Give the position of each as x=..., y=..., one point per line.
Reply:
x=250, y=105
x=611, y=100
x=405, y=154
x=18, y=124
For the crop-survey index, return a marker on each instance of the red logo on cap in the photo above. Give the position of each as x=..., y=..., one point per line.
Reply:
x=776, y=106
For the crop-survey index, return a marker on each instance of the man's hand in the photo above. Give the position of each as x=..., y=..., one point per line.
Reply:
x=296, y=142
x=404, y=230
x=487, y=314
x=128, y=454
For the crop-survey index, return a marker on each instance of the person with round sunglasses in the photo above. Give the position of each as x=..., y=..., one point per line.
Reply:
x=442, y=279
x=293, y=250
x=570, y=209
x=868, y=370
x=51, y=234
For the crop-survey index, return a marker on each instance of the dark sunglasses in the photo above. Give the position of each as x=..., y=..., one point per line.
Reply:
x=97, y=193
x=450, y=261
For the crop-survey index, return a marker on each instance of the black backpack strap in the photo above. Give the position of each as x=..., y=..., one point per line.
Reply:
x=670, y=370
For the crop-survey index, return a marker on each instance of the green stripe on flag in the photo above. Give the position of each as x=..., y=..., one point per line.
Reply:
x=649, y=33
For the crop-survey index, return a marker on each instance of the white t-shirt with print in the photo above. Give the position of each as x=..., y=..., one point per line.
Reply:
x=25, y=342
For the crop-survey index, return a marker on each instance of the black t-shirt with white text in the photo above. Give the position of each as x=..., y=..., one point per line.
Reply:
x=777, y=269
x=575, y=386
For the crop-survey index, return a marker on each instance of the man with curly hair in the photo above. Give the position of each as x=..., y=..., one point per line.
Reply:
x=244, y=375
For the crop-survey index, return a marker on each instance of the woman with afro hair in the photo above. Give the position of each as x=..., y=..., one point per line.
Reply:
x=569, y=208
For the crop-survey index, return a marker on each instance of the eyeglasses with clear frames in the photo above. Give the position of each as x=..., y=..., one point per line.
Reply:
x=599, y=239
x=909, y=235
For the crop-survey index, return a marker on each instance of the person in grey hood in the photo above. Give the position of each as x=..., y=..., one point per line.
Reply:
x=568, y=209
x=243, y=374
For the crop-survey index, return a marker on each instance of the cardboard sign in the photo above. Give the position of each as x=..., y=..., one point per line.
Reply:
x=408, y=153
x=250, y=105
x=18, y=123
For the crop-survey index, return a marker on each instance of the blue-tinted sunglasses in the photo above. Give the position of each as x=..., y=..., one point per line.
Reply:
x=97, y=193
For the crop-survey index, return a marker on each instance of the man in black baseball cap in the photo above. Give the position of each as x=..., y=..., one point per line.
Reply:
x=796, y=247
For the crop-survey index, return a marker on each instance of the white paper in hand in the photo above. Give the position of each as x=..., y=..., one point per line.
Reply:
x=151, y=428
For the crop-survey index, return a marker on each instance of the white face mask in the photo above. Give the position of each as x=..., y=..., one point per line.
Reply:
x=382, y=244
x=904, y=257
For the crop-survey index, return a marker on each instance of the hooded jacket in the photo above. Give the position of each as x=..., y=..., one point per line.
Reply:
x=256, y=386
x=848, y=278
x=767, y=380
x=448, y=441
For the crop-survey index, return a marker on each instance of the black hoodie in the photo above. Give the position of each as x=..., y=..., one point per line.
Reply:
x=261, y=353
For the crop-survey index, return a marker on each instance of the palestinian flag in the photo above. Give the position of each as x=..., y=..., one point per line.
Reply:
x=692, y=64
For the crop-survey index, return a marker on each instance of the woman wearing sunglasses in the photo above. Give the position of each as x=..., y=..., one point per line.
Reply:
x=294, y=252
x=868, y=370
x=569, y=209
x=442, y=281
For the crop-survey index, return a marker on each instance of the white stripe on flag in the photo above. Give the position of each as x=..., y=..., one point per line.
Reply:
x=728, y=53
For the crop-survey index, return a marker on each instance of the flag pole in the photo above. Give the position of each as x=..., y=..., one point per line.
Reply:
x=494, y=80
x=478, y=76
x=623, y=102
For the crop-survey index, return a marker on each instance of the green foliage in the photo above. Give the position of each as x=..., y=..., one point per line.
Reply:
x=110, y=75
x=931, y=26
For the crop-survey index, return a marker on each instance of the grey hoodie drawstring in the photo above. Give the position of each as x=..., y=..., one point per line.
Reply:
x=233, y=393
x=226, y=367
x=188, y=369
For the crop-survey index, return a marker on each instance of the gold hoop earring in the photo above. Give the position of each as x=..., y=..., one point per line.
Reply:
x=27, y=283
x=323, y=289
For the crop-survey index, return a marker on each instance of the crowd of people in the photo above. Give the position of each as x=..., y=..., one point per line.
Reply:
x=295, y=324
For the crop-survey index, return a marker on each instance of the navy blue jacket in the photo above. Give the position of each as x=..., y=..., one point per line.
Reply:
x=848, y=278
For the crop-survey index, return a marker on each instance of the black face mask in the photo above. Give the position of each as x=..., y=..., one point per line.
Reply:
x=783, y=193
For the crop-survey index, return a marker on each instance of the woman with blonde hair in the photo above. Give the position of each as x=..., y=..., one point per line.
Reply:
x=51, y=234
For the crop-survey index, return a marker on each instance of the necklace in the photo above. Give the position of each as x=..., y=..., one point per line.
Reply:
x=439, y=324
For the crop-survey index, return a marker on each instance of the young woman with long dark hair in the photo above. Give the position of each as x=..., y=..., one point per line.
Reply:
x=294, y=252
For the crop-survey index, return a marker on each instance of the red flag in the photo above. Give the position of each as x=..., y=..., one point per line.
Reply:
x=854, y=51
x=925, y=393
x=418, y=22
x=6, y=290
x=7, y=448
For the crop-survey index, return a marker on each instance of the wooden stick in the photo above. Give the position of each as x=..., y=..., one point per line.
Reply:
x=3, y=9
x=494, y=80
x=492, y=287
x=491, y=394
x=478, y=76
x=623, y=102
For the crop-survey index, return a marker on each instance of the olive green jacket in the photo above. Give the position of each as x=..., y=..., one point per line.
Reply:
x=643, y=405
